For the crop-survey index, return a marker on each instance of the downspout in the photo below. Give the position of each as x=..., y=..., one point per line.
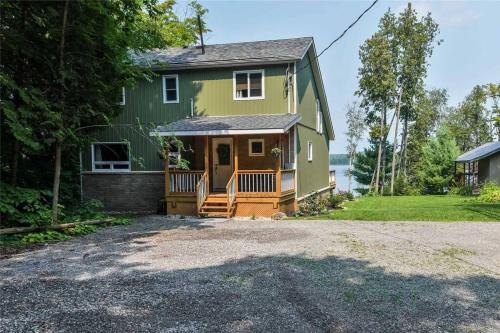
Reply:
x=288, y=86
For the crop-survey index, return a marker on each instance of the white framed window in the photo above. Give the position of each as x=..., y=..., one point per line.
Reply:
x=248, y=85
x=170, y=88
x=122, y=101
x=309, y=151
x=110, y=156
x=319, y=118
x=256, y=147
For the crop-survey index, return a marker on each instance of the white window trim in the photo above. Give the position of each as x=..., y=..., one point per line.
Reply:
x=309, y=151
x=111, y=163
x=319, y=118
x=251, y=153
x=169, y=76
x=248, y=83
x=122, y=102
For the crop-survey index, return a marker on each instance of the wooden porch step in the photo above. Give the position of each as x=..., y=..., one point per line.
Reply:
x=223, y=214
x=216, y=208
x=216, y=200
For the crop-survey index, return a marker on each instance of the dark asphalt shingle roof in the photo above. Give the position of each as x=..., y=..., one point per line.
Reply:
x=232, y=123
x=269, y=51
x=480, y=152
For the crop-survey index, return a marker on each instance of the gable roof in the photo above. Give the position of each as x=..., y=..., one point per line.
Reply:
x=480, y=152
x=225, y=125
x=246, y=53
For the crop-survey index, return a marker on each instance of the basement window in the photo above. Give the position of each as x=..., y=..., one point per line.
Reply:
x=110, y=156
x=171, y=88
x=256, y=147
x=248, y=84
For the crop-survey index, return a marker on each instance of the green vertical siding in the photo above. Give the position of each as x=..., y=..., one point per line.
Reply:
x=212, y=93
x=312, y=175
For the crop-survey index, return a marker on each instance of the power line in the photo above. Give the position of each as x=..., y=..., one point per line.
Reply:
x=339, y=37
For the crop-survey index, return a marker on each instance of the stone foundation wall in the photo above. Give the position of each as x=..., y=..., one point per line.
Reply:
x=136, y=192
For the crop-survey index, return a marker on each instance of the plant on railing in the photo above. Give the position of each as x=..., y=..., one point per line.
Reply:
x=276, y=152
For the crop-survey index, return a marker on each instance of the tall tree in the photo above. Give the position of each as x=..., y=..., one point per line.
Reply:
x=493, y=93
x=366, y=161
x=377, y=84
x=469, y=123
x=355, y=127
x=431, y=109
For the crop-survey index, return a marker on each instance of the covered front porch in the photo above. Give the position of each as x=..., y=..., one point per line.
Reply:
x=233, y=171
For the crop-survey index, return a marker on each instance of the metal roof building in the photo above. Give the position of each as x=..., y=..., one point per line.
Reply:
x=481, y=164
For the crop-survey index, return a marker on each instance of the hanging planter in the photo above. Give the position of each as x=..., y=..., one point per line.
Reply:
x=276, y=152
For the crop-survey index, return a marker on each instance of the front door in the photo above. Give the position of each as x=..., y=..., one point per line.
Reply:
x=222, y=167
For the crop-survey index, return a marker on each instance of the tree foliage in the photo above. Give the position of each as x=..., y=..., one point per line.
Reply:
x=435, y=170
x=469, y=123
x=366, y=162
x=64, y=66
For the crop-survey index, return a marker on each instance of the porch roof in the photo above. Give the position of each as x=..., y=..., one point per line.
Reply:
x=480, y=152
x=230, y=125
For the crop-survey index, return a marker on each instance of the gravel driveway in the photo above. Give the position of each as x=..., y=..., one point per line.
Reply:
x=157, y=275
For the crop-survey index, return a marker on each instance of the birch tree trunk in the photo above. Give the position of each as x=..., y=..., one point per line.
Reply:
x=393, y=166
x=377, y=174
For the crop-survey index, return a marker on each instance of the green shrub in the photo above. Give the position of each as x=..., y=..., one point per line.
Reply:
x=336, y=199
x=362, y=190
x=42, y=237
x=120, y=221
x=81, y=229
x=461, y=190
x=313, y=205
x=89, y=210
x=490, y=192
x=24, y=206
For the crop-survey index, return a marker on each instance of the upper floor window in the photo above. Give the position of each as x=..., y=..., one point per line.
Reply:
x=248, y=84
x=122, y=101
x=110, y=156
x=319, y=118
x=170, y=88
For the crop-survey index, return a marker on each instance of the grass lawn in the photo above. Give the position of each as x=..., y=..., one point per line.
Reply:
x=417, y=208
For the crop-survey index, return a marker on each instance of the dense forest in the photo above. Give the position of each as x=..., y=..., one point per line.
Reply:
x=414, y=134
x=63, y=67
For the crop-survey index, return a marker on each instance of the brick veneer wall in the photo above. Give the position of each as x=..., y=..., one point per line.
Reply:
x=125, y=191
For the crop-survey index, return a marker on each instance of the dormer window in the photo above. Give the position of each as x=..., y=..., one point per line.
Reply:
x=319, y=118
x=248, y=84
x=171, y=88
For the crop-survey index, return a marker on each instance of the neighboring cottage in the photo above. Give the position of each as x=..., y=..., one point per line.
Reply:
x=481, y=164
x=254, y=116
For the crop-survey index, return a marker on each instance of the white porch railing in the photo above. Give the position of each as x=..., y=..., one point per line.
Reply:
x=256, y=181
x=184, y=181
x=287, y=180
x=202, y=190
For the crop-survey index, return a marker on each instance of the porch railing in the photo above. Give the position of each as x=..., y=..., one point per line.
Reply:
x=202, y=190
x=332, y=177
x=256, y=181
x=287, y=180
x=231, y=191
x=184, y=181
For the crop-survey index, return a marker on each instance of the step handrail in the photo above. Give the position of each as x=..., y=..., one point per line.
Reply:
x=231, y=191
x=202, y=191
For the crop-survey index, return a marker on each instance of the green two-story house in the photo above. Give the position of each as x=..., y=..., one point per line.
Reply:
x=254, y=122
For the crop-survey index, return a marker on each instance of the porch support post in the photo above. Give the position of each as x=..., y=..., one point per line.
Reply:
x=207, y=166
x=167, y=177
x=236, y=143
x=278, y=173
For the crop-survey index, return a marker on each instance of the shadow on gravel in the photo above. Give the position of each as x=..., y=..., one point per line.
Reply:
x=276, y=293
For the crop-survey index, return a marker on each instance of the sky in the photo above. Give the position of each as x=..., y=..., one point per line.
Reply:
x=469, y=54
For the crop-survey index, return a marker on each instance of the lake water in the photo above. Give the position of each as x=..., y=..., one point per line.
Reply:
x=342, y=179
